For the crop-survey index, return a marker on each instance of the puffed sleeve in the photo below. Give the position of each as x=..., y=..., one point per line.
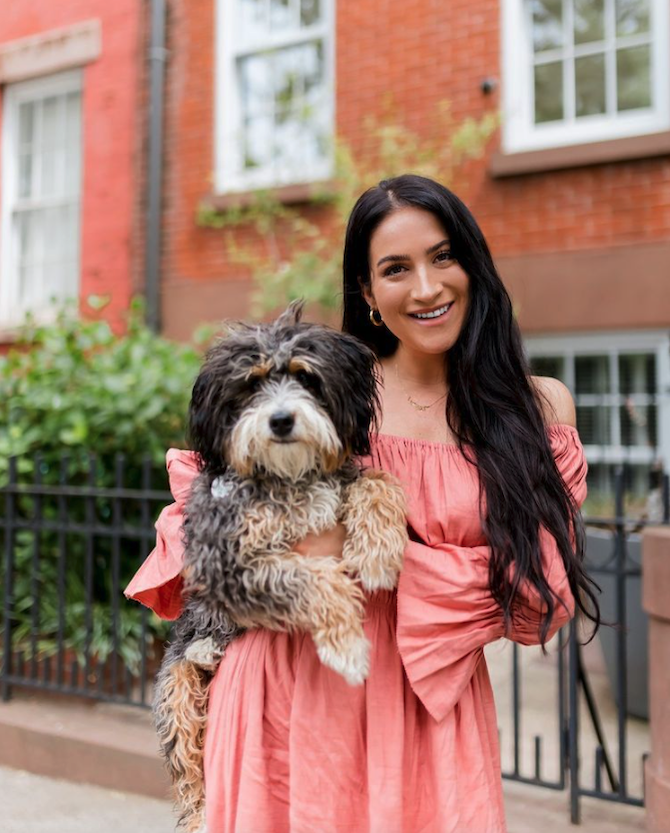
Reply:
x=446, y=613
x=158, y=583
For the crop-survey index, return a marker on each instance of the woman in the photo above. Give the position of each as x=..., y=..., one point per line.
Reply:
x=493, y=471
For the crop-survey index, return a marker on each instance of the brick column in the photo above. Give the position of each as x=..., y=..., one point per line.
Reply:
x=656, y=601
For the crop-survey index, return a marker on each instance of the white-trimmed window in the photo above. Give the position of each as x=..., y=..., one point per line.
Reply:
x=584, y=70
x=275, y=92
x=621, y=386
x=41, y=176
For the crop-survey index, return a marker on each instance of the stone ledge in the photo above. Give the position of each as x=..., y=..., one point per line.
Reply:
x=52, y=51
x=91, y=743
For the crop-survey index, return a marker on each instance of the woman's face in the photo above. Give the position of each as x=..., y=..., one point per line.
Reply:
x=412, y=275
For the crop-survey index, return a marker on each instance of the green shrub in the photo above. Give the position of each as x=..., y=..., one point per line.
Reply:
x=75, y=388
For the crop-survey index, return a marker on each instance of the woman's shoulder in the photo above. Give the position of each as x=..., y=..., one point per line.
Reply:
x=554, y=400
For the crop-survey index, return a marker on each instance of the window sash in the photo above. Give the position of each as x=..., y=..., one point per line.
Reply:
x=520, y=133
x=45, y=217
x=230, y=172
x=615, y=345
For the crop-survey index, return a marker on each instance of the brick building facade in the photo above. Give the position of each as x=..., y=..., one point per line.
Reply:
x=573, y=193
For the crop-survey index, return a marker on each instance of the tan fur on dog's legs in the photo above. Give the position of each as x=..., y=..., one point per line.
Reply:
x=374, y=513
x=336, y=624
x=326, y=602
x=180, y=721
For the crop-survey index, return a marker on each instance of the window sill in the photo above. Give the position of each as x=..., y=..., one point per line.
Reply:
x=576, y=156
x=303, y=192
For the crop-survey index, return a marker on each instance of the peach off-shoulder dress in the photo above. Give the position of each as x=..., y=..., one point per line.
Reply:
x=290, y=746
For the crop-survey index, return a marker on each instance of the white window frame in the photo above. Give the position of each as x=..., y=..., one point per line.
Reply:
x=11, y=314
x=613, y=344
x=229, y=175
x=520, y=133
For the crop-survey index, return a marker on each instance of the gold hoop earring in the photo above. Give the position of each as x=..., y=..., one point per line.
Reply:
x=373, y=320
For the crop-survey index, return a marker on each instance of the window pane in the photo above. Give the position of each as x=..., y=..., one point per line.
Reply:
x=637, y=374
x=548, y=92
x=547, y=17
x=553, y=366
x=633, y=81
x=288, y=74
x=282, y=15
x=257, y=87
x=592, y=374
x=590, y=85
x=30, y=256
x=258, y=141
x=638, y=424
x=72, y=144
x=26, y=124
x=252, y=20
x=632, y=17
x=593, y=424
x=25, y=174
x=310, y=12
x=589, y=21
x=299, y=107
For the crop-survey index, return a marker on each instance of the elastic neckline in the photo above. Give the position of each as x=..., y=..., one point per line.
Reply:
x=561, y=426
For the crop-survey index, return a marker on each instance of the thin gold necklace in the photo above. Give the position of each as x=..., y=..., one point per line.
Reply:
x=411, y=401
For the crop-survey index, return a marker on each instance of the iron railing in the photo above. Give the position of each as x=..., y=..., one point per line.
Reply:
x=70, y=545
x=577, y=706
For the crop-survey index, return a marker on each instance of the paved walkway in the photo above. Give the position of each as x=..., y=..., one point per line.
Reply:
x=35, y=804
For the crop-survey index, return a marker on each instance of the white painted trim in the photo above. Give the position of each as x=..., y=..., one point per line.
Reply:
x=228, y=174
x=14, y=95
x=519, y=133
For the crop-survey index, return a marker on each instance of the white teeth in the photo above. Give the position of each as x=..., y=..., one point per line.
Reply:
x=433, y=314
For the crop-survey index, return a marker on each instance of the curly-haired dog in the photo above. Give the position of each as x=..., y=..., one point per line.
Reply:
x=277, y=414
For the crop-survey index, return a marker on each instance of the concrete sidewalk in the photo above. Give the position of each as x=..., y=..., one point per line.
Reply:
x=532, y=809
x=36, y=804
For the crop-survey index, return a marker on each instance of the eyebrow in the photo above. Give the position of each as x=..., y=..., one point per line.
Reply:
x=396, y=258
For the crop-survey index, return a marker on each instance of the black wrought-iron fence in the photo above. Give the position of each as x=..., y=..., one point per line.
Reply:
x=71, y=544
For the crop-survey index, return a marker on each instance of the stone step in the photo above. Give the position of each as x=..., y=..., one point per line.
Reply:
x=92, y=743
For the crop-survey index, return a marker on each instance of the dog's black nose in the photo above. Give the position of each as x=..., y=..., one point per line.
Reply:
x=282, y=423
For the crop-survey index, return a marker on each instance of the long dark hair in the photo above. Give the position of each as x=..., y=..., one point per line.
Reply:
x=491, y=408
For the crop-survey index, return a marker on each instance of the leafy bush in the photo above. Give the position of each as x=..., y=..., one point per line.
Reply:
x=76, y=388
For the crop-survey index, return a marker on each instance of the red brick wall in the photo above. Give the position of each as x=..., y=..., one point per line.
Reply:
x=112, y=123
x=422, y=52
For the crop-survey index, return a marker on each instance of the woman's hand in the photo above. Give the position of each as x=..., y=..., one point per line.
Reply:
x=330, y=542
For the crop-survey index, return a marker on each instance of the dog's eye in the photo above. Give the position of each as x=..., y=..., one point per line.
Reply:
x=253, y=383
x=308, y=380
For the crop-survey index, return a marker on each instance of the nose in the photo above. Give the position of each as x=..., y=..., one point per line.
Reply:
x=426, y=288
x=281, y=423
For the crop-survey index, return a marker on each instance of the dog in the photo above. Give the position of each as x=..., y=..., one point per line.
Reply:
x=278, y=414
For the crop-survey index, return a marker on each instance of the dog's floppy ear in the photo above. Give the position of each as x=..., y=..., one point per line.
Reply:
x=292, y=314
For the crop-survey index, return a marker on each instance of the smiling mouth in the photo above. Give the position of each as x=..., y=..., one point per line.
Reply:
x=436, y=313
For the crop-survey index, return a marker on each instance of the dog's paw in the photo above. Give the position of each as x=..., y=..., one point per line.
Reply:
x=204, y=653
x=351, y=660
x=377, y=565
x=376, y=576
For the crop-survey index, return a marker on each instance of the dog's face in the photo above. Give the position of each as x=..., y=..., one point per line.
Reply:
x=287, y=398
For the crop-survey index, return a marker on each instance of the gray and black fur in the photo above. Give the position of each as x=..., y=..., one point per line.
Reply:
x=277, y=415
